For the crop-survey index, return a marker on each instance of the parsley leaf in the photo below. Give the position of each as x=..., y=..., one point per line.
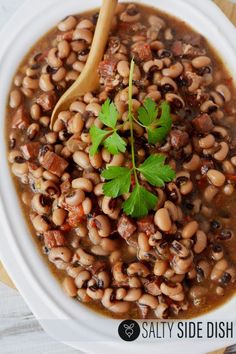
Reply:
x=108, y=114
x=155, y=170
x=157, y=129
x=139, y=202
x=97, y=136
x=147, y=113
x=120, y=180
x=115, y=144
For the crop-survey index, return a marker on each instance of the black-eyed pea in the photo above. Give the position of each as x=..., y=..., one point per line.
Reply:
x=118, y=272
x=109, y=245
x=138, y=268
x=83, y=34
x=30, y=83
x=190, y=229
x=93, y=291
x=76, y=124
x=194, y=164
x=103, y=225
x=162, y=220
x=133, y=294
x=135, y=282
x=103, y=279
x=233, y=160
x=205, y=268
x=160, y=267
x=15, y=98
x=114, y=306
x=207, y=142
x=201, y=61
x=201, y=242
x=26, y=198
x=161, y=311
x=228, y=189
x=82, y=160
x=224, y=91
x=148, y=300
x=217, y=252
x=68, y=24
x=171, y=289
x=73, y=271
x=143, y=242
x=223, y=151
x=19, y=169
x=82, y=183
x=123, y=68
x=75, y=198
x=59, y=216
x=84, y=258
x=69, y=286
x=173, y=71
x=115, y=256
x=53, y=60
x=96, y=160
x=94, y=236
x=98, y=189
x=45, y=83
x=216, y=177
x=41, y=204
x=81, y=230
x=218, y=269
x=63, y=49
x=82, y=278
x=83, y=296
x=60, y=253
x=210, y=192
x=120, y=293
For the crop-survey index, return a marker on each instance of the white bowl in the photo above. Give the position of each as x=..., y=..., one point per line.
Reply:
x=89, y=332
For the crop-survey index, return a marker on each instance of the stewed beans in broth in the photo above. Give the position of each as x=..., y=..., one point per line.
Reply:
x=179, y=259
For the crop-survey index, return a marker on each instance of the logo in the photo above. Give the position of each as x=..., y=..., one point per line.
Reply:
x=129, y=330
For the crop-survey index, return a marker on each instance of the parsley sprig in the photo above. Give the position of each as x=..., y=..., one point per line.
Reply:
x=124, y=180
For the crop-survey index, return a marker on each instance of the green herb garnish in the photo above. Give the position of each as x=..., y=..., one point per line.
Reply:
x=109, y=137
x=123, y=180
x=157, y=129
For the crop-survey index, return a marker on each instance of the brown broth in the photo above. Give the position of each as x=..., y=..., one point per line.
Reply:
x=222, y=204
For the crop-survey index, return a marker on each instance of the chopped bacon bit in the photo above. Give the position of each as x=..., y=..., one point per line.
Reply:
x=54, y=163
x=142, y=51
x=146, y=225
x=65, y=227
x=54, y=238
x=47, y=101
x=126, y=226
x=20, y=119
x=75, y=216
x=107, y=67
x=30, y=150
x=203, y=124
x=178, y=138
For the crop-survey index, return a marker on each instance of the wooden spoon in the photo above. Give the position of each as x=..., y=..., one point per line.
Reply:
x=89, y=80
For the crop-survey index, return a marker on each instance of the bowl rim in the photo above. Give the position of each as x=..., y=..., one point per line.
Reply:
x=28, y=281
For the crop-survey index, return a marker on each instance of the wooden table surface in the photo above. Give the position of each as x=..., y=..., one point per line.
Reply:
x=20, y=332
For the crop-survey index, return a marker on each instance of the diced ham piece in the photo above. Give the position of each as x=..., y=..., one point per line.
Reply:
x=126, y=227
x=180, y=49
x=142, y=51
x=178, y=138
x=146, y=225
x=47, y=100
x=20, y=119
x=30, y=150
x=107, y=67
x=153, y=287
x=54, y=163
x=54, y=238
x=203, y=124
